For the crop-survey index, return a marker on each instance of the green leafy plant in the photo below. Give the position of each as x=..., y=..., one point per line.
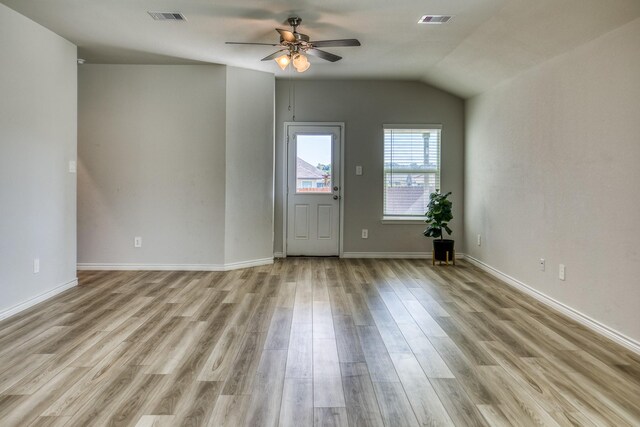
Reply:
x=438, y=215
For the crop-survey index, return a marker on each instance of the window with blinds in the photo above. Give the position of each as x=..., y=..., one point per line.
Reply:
x=411, y=168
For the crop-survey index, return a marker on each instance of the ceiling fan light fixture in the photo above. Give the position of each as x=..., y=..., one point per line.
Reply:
x=296, y=44
x=283, y=61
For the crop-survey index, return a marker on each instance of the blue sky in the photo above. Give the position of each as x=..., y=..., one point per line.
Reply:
x=314, y=149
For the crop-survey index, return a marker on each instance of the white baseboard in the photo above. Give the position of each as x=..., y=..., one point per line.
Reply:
x=176, y=267
x=37, y=299
x=247, y=264
x=408, y=255
x=583, y=319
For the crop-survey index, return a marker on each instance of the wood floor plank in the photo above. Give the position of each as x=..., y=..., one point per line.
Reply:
x=21, y=368
x=156, y=421
x=50, y=421
x=494, y=416
x=266, y=396
x=465, y=371
x=242, y=376
x=394, y=405
x=223, y=355
x=430, y=360
x=360, y=398
x=377, y=358
x=297, y=403
x=199, y=411
x=27, y=410
x=330, y=417
x=229, y=411
x=309, y=341
x=347, y=340
x=461, y=409
x=327, y=379
x=300, y=352
x=516, y=403
x=426, y=405
x=278, y=334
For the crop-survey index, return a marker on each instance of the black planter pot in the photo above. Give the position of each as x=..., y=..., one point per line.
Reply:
x=443, y=250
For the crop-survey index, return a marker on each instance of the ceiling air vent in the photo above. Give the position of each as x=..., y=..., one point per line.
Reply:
x=167, y=16
x=434, y=19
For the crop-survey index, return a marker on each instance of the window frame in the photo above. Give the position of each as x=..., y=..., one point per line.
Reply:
x=409, y=219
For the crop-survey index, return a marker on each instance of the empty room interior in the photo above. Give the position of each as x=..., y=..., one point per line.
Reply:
x=330, y=213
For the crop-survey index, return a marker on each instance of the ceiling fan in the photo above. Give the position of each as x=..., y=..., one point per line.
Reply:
x=294, y=45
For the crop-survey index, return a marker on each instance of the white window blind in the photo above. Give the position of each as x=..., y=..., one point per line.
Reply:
x=411, y=168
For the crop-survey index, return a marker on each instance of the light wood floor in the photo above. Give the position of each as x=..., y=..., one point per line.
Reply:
x=309, y=342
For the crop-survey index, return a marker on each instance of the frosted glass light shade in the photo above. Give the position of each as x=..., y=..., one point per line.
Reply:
x=301, y=63
x=304, y=67
x=299, y=60
x=283, y=61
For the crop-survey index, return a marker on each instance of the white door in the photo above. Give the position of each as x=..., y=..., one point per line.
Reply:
x=313, y=190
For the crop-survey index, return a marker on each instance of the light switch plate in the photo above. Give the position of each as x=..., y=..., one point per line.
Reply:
x=561, y=272
x=72, y=166
x=358, y=170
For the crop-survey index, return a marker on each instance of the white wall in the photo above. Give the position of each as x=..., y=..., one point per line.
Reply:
x=364, y=106
x=249, y=172
x=152, y=164
x=180, y=155
x=37, y=140
x=553, y=171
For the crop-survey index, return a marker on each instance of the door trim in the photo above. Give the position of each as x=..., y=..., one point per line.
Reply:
x=285, y=199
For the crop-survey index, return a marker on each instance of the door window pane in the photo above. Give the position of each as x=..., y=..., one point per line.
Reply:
x=313, y=168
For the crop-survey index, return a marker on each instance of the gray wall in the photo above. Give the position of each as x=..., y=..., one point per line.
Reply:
x=249, y=180
x=37, y=140
x=151, y=149
x=552, y=171
x=158, y=161
x=364, y=106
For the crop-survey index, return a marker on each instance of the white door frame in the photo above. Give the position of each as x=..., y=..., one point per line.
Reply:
x=285, y=199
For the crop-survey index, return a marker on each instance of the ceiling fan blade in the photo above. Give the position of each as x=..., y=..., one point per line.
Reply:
x=335, y=43
x=256, y=44
x=324, y=55
x=286, y=35
x=274, y=55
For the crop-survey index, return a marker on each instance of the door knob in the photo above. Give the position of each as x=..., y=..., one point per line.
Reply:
x=336, y=197
x=335, y=188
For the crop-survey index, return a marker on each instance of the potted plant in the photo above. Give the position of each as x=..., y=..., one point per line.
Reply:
x=438, y=216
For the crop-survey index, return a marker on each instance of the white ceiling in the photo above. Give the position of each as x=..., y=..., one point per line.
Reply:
x=486, y=42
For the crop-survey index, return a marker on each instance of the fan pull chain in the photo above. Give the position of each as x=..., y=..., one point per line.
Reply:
x=292, y=95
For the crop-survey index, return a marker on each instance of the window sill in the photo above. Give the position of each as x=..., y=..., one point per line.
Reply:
x=402, y=220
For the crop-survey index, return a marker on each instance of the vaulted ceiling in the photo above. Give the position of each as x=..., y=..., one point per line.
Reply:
x=486, y=42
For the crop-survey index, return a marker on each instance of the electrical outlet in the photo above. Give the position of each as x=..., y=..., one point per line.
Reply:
x=72, y=166
x=137, y=242
x=541, y=264
x=365, y=233
x=36, y=265
x=358, y=170
x=561, y=272
x=479, y=239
